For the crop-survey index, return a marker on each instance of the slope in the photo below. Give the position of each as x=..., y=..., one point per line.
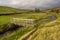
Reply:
x=8, y=10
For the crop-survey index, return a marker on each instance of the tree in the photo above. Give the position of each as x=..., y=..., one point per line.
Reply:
x=37, y=10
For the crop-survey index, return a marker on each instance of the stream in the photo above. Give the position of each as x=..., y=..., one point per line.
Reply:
x=47, y=20
x=51, y=19
x=10, y=31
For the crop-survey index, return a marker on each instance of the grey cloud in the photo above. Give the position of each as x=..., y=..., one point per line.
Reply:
x=30, y=4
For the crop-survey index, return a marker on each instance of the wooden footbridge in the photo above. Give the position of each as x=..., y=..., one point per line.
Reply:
x=24, y=22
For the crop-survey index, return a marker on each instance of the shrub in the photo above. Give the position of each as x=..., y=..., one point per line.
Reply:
x=9, y=27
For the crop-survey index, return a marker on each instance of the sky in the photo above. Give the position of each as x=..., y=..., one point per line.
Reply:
x=30, y=4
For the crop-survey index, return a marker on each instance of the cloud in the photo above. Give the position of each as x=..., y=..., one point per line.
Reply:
x=30, y=4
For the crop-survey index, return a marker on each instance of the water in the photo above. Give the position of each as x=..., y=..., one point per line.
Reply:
x=51, y=19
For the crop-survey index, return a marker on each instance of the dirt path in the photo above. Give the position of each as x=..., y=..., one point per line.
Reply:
x=34, y=35
x=24, y=37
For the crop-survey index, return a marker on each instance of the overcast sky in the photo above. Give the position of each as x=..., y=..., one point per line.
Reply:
x=30, y=4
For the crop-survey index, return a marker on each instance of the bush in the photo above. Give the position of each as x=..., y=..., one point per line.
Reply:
x=13, y=26
x=9, y=27
x=3, y=28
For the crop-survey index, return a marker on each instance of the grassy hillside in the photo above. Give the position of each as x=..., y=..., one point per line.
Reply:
x=52, y=10
x=7, y=10
x=47, y=27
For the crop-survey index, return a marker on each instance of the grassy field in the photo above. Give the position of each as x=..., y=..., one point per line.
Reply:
x=47, y=28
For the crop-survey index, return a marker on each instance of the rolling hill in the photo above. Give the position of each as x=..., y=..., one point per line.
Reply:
x=8, y=10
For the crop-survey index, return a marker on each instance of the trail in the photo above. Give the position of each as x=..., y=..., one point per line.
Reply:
x=24, y=37
x=34, y=35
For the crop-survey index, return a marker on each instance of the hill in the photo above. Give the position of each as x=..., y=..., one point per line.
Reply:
x=55, y=10
x=6, y=10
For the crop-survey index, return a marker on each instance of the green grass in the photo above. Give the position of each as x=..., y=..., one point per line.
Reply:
x=9, y=10
x=46, y=31
x=8, y=19
x=17, y=34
